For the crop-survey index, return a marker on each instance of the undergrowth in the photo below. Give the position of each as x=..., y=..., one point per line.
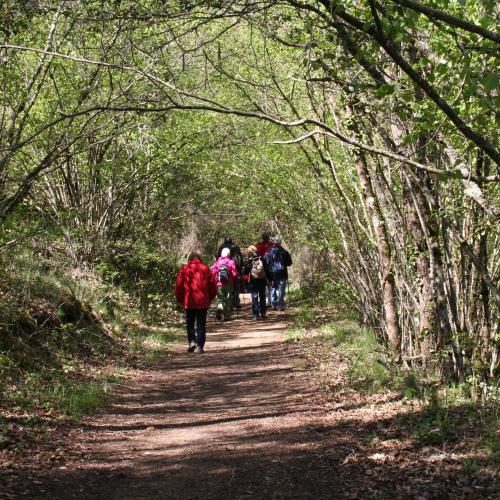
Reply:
x=66, y=336
x=366, y=368
x=437, y=414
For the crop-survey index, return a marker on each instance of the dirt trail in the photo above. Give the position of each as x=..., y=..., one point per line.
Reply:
x=229, y=423
x=241, y=421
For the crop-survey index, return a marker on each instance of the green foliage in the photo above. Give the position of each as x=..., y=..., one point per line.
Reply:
x=366, y=370
x=410, y=386
x=53, y=329
x=147, y=276
x=294, y=334
x=491, y=442
x=325, y=289
x=434, y=428
x=305, y=315
x=441, y=415
x=15, y=15
x=154, y=342
x=59, y=391
x=128, y=193
x=80, y=398
x=366, y=367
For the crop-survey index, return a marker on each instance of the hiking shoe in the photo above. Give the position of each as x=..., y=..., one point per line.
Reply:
x=199, y=350
x=263, y=316
x=274, y=308
x=192, y=346
x=255, y=317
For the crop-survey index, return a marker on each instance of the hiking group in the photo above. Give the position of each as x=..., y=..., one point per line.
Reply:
x=262, y=271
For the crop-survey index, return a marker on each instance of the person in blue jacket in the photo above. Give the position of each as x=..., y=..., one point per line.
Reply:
x=278, y=261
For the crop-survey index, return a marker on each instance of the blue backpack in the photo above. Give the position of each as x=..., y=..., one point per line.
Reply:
x=275, y=260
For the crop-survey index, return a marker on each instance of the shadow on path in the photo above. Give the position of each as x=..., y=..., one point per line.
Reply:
x=240, y=421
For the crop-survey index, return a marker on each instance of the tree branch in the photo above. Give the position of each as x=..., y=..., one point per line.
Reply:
x=432, y=13
x=337, y=12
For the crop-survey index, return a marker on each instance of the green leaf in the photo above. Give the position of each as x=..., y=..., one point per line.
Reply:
x=385, y=89
x=490, y=82
x=456, y=174
x=441, y=69
x=409, y=393
x=486, y=21
x=443, y=176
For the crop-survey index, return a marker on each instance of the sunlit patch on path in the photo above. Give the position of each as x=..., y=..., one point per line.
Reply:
x=242, y=420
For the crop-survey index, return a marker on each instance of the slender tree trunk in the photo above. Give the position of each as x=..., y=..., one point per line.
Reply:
x=427, y=206
x=426, y=317
x=388, y=283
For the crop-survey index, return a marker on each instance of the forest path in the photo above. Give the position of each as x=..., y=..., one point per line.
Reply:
x=243, y=420
x=230, y=423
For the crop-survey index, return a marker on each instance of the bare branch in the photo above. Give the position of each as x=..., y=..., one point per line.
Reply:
x=432, y=13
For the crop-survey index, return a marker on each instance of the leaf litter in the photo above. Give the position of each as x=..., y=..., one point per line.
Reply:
x=254, y=417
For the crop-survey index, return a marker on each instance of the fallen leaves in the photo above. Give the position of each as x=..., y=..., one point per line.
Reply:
x=306, y=429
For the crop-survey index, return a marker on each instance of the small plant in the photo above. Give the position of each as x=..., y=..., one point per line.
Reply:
x=365, y=370
x=410, y=386
x=470, y=466
x=434, y=427
x=491, y=442
x=80, y=398
x=305, y=315
x=294, y=334
x=300, y=366
x=366, y=374
x=340, y=332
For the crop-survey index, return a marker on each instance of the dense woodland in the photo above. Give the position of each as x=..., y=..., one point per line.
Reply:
x=363, y=131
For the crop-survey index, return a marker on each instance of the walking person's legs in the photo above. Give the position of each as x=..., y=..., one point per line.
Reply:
x=190, y=320
x=273, y=293
x=262, y=296
x=236, y=293
x=255, y=303
x=220, y=303
x=224, y=301
x=201, y=328
x=227, y=300
x=281, y=294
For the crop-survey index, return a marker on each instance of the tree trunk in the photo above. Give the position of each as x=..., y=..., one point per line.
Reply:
x=388, y=284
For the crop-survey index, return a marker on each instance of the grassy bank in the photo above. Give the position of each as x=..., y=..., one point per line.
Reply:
x=348, y=363
x=67, y=337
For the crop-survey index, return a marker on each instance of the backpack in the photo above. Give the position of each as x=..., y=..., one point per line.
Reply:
x=223, y=274
x=275, y=261
x=257, y=272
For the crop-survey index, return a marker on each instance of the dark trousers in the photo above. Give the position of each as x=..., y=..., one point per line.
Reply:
x=236, y=292
x=198, y=316
x=259, y=301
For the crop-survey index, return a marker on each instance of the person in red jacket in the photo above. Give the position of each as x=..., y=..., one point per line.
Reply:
x=195, y=288
x=265, y=245
x=262, y=249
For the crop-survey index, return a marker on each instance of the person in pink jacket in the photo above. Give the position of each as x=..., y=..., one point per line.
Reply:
x=225, y=272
